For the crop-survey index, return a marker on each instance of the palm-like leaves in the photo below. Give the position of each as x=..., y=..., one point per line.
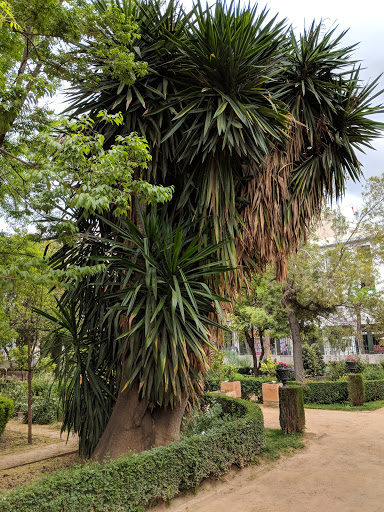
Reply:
x=144, y=321
x=164, y=306
x=254, y=127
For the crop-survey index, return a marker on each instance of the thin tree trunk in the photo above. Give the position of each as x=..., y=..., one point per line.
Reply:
x=262, y=352
x=297, y=342
x=267, y=347
x=360, y=339
x=251, y=344
x=29, y=392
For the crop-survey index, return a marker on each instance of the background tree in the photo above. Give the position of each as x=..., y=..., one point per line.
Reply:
x=260, y=314
x=23, y=330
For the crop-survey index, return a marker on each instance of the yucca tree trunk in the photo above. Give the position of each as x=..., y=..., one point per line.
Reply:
x=133, y=427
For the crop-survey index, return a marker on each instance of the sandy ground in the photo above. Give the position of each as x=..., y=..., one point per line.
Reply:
x=54, y=445
x=340, y=470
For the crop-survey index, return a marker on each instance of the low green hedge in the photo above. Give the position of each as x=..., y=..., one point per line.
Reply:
x=131, y=483
x=6, y=411
x=374, y=390
x=325, y=392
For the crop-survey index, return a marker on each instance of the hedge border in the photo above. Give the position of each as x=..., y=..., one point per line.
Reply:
x=323, y=392
x=131, y=483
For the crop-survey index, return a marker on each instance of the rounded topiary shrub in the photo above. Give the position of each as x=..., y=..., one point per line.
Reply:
x=356, y=391
x=291, y=404
x=6, y=411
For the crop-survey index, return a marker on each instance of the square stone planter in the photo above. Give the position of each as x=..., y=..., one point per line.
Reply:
x=270, y=392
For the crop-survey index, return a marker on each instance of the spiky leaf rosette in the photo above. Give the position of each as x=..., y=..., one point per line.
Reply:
x=254, y=127
x=143, y=321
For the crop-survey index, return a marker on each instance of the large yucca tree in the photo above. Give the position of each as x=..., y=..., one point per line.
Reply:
x=133, y=343
x=254, y=128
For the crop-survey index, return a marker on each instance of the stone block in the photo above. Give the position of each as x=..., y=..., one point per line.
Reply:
x=231, y=387
x=270, y=392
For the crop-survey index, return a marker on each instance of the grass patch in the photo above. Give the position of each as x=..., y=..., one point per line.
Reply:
x=277, y=443
x=367, y=406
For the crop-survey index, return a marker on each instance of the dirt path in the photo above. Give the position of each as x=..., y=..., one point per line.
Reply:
x=340, y=470
x=53, y=445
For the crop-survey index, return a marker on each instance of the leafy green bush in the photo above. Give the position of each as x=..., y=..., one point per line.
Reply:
x=203, y=420
x=45, y=410
x=356, y=391
x=131, y=483
x=374, y=390
x=335, y=370
x=6, y=411
x=219, y=370
x=325, y=392
x=313, y=361
x=268, y=367
x=16, y=390
x=373, y=372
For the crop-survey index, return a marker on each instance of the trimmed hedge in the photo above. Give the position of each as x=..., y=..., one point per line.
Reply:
x=131, y=483
x=6, y=412
x=325, y=392
x=374, y=390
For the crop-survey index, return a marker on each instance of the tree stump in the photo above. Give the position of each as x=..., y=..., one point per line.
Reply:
x=291, y=404
x=356, y=391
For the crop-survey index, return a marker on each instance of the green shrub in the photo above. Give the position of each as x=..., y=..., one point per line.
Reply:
x=291, y=406
x=203, y=420
x=313, y=361
x=373, y=372
x=131, y=483
x=45, y=410
x=16, y=390
x=325, y=392
x=356, y=392
x=6, y=412
x=374, y=390
x=335, y=370
x=268, y=367
x=219, y=370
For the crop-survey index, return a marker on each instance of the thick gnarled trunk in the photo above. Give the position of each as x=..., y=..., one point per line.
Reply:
x=133, y=427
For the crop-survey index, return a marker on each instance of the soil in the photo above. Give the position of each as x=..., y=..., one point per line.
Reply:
x=340, y=470
x=46, y=442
